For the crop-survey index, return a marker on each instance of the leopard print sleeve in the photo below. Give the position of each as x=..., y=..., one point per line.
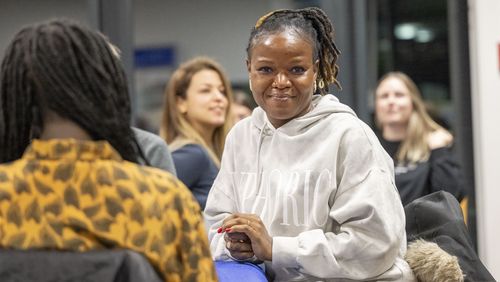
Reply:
x=183, y=228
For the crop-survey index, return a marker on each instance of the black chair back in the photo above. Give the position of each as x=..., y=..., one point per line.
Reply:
x=98, y=266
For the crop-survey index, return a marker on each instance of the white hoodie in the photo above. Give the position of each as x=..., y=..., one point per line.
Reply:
x=324, y=188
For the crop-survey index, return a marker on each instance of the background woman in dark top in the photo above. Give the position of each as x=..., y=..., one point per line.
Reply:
x=195, y=122
x=419, y=146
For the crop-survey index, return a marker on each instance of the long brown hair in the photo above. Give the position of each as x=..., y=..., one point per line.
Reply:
x=175, y=128
x=414, y=147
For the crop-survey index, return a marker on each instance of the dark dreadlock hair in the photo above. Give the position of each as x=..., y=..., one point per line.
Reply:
x=317, y=28
x=71, y=70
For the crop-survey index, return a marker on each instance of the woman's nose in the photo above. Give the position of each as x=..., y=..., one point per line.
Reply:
x=390, y=99
x=281, y=80
x=219, y=95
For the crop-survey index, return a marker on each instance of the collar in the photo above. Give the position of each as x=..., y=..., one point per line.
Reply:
x=70, y=149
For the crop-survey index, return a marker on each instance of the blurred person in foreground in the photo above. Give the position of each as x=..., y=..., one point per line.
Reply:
x=69, y=178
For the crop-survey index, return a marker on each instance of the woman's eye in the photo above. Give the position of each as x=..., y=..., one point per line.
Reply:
x=264, y=70
x=298, y=70
x=382, y=96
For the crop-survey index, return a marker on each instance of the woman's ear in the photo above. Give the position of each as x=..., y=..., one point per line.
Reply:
x=316, y=68
x=249, y=76
x=248, y=65
x=182, y=105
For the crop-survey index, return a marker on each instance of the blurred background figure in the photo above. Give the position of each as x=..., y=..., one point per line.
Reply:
x=155, y=151
x=196, y=120
x=421, y=148
x=242, y=106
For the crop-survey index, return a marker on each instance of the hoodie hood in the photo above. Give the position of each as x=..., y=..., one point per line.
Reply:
x=322, y=106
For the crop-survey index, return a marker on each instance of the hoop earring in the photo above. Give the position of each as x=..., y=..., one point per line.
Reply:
x=321, y=84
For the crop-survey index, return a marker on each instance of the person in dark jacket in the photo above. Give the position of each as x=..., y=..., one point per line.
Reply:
x=421, y=149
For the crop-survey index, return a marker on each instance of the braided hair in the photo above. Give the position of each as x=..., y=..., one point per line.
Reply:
x=69, y=69
x=315, y=26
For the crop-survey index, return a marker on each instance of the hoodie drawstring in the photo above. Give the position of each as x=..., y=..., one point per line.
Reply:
x=262, y=134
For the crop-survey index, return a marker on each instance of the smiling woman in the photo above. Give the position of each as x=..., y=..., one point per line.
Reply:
x=304, y=185
x=282, y=82
x=423, y=160
x=195, y=122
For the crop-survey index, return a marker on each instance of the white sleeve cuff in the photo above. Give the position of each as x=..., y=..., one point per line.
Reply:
x=285, y=251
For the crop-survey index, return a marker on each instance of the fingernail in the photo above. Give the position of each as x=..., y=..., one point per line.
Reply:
x=219, y=230
x=228, y=229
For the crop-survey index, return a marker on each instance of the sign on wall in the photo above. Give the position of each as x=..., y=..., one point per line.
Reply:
x=152, y=68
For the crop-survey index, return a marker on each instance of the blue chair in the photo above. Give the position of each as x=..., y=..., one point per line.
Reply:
x=232, y=271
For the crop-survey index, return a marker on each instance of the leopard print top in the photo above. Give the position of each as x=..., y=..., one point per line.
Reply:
x=80, y=195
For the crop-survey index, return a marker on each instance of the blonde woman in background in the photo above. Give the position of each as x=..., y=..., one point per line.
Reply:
x=196, y=120
x=420, y=148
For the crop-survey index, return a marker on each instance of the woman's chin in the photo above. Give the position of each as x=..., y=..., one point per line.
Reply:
x=217, y=123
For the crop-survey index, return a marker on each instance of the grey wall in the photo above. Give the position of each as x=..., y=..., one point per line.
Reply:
x=218, y=29
x=15, y=14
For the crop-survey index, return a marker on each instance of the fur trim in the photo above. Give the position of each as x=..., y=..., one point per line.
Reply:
x=431, y=263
